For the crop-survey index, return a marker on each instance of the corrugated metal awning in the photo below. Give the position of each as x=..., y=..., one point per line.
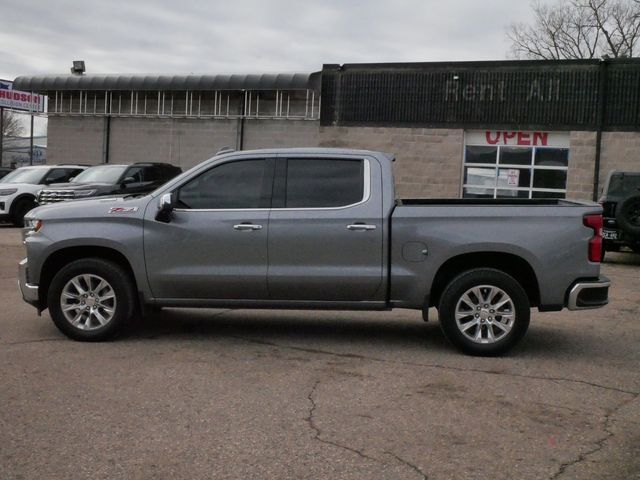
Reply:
x=266, y=81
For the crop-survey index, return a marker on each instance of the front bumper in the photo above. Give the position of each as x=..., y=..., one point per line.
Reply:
x=586, y=294
x=29, y=291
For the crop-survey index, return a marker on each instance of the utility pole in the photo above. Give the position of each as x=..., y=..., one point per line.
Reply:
x=31, y=142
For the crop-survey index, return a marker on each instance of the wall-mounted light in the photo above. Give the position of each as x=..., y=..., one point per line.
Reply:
x=78, y=67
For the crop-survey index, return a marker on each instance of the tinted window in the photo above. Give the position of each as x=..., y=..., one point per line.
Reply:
x=137, y=173
x=623, y=185
x=58, y=175
x=323, y=183
x=152, y=174
x=242, y=184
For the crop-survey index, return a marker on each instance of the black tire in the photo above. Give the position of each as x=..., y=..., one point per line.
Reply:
x=21, y=208
x=628, y=216
x=123, y=289
x=519, y=303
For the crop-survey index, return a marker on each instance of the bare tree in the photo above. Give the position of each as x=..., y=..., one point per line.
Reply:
x=578, y=29
x=11, y=126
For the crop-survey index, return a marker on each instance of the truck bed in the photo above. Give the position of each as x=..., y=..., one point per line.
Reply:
x=488, y=201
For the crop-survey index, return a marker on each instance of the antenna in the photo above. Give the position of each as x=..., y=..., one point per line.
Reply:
x=225, y=149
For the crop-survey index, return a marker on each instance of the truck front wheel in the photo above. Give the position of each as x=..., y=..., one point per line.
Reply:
x=91, y=299
x=484, y=312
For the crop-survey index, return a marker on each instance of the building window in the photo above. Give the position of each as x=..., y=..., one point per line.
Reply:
x=503, y=164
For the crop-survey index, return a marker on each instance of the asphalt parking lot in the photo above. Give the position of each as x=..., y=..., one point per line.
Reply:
x=271, y=394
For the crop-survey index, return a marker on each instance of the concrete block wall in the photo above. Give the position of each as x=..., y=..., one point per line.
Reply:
x=428, y=161
x=183, y=142
x=620, y=151
x=280, y=133
x=582, y=154
x=75, y=140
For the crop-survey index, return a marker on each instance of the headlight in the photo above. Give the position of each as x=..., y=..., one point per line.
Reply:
x=84, y=193
x=32, y=224
x=8, y=191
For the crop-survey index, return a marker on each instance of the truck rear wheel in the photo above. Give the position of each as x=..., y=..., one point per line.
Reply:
x=91, y=299
x=484, y=312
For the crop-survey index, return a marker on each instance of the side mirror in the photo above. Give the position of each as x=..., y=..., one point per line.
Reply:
x=71, y=179
x=165, y=207
x=127, y=181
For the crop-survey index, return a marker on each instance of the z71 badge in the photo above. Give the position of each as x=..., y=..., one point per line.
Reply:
x=123, y=210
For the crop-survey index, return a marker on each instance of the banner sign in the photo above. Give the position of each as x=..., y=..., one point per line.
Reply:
x=18, y=100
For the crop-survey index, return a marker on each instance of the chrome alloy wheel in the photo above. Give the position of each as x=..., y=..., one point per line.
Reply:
x=88, y=302
x=485, y=314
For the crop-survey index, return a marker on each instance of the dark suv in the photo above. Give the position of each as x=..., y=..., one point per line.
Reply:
x=101, y=180
x=621, y=211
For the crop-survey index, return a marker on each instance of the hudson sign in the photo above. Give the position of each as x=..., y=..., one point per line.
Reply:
x=19, y=100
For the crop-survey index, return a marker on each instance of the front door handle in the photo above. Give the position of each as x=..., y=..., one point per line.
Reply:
x=247, y=226
x=360, y=226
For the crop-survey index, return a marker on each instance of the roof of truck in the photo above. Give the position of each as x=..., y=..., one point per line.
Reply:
x=310, y=151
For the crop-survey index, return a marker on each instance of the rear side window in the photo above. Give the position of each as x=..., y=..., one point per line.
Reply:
x=242, y=184
x=152, y=174
x=326, y=183
x=624, y=185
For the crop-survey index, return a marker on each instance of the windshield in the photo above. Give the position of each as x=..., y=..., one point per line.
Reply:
x=624, y=185
x=25, y=175
x=101, y=174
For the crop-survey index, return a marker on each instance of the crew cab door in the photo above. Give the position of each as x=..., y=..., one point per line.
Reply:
x=215, y=244
x=325, y=230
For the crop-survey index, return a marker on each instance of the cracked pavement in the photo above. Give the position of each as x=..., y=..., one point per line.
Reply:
x=287, y=394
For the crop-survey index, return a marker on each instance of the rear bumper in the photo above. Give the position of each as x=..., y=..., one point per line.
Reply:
x=29, y=291
x=586, y=294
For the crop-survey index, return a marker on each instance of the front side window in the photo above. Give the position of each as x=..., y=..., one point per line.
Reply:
x=137, y=173
x=312, y=183
x=58, y=175
x=244, y=184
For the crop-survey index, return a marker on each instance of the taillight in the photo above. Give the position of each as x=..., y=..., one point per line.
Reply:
x=595, y=243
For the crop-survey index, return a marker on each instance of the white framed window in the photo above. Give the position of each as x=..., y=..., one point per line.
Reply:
x=507, y=164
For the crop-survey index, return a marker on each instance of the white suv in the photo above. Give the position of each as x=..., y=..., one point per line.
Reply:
x=19, y=188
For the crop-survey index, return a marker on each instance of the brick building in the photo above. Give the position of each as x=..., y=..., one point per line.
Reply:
x=527, y=129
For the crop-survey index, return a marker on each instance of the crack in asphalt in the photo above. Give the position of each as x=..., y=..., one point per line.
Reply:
x=435, y=365
x=599, y=444
x=310, y=419
x=409, y=464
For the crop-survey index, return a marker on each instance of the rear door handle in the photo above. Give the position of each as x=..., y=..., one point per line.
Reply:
x=360, y=226
x=247, y=226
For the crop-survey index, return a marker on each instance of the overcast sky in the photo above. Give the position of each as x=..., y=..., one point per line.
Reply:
x=241, y=36
x=118, y=36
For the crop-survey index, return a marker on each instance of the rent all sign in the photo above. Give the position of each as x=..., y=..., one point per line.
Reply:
x=18, y=100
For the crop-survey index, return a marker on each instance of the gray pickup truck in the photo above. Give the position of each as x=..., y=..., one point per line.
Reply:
x=311, y=229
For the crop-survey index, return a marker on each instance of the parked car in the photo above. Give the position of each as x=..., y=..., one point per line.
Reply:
x=312, y=229
x=621, y=211
x=4, y=171
x=102, y=180
x=19, y=188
